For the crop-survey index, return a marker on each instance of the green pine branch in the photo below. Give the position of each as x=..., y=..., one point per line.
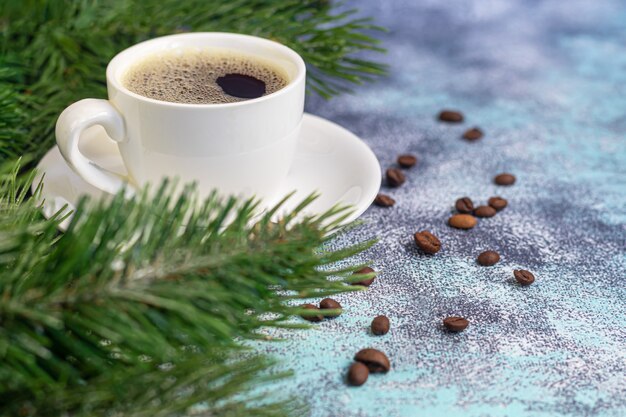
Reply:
x=135, y=286
x=59, y=49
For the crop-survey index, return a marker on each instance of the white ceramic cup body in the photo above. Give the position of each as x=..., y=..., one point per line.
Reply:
x=244, y=148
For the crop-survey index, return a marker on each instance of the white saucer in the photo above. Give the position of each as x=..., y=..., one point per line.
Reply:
x=329, y=160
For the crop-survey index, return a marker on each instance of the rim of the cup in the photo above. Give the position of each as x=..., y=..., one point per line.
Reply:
x=293, y=83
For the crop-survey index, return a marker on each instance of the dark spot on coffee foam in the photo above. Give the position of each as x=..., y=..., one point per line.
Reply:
x=241, y=85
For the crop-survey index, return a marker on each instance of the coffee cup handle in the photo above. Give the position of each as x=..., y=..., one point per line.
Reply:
x=72, y=122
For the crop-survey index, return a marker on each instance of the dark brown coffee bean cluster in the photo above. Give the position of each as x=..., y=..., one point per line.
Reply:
x=367, y=361
x=467, y=212
x=394, y=178
x=370, y=360
x=328, y=308
x=466, y=217
x=454, y=116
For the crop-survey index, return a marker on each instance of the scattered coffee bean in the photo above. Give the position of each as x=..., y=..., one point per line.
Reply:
x=524, y=277
x=357, y=374
x=395, y=177
x=484, y=211
x=473, y=134
x=427, y=242
x=375, y=360
x=383, y=200
x=314, y=319
x=380, y=325
x=367, y=281
x=504, y=179
x=462, y=221
x=329, y=304
x=488, y=258
x=464, y=205
x=451, y=116
x=455, y=324
x=407, y=161
x=498, y=203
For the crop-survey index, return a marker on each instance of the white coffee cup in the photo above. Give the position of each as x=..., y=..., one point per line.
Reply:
x=244, y=148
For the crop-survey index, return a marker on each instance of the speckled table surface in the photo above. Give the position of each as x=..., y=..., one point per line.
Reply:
x=546, y=81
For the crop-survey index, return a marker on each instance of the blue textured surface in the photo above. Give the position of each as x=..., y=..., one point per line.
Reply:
x=546, y=81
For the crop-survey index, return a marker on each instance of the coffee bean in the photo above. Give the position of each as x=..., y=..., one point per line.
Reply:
x=488, y=258
x=375, y=360
x=314, y=319
x=357, y=374
x=367, y=281
x=329, y=304
x=498, y=203
x=427, y=242
x=451, y=116
x=455, y=324
x=462, y=221
x=484, y=211
x=380, y=325
x=464, y=205
x=473, y=134
x=395, y=177
x=383, y=200
x=504, y=179
x=407, y=161
x=524, y=277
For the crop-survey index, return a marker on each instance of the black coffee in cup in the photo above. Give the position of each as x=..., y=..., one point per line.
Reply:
x=203, y=77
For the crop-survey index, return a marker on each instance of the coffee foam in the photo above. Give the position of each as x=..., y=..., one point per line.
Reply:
x=191, y=76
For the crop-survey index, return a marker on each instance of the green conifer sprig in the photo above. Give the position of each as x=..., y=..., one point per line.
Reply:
x=137, y=285
x=59, y=49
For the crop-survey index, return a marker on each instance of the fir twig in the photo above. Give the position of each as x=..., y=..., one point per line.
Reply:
x=58, y=49
x=141, y=284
